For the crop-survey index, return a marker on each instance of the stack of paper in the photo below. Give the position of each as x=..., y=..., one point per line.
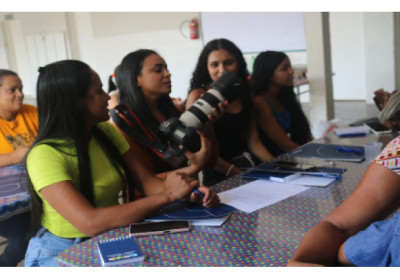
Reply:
x=352, y=131
x=259, y=194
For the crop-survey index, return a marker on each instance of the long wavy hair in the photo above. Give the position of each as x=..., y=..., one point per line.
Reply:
x=263, y=70
x=201, y=78
x=131, y=95
x=61, y=86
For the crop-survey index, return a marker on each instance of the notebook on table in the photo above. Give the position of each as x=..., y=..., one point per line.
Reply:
x=330, y=152
x=352, y=131
x=197, y=214
x=305, y=174
x=118, y=251
x=281, y=177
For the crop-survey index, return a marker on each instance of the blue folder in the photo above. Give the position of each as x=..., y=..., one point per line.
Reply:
x=186, y=211
x=330, y=152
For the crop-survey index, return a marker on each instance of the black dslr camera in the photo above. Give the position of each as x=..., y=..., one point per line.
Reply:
x=182, y=132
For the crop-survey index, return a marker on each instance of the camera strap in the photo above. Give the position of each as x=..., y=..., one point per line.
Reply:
x=129, y=123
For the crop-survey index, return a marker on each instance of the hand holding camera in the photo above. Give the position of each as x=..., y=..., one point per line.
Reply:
x=183, y=131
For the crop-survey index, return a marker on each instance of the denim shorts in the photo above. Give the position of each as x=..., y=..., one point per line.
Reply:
x=45, y=246
x=378, y=245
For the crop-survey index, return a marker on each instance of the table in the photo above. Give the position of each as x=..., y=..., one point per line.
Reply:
x=267, y=237
x=17, y=203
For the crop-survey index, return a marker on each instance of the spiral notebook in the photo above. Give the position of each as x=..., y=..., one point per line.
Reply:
x=118, y=251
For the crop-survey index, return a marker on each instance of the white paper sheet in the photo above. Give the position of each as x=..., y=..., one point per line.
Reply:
x=210, y=222
x=259, y=194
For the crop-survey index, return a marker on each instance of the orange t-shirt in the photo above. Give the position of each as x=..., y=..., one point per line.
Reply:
x=21, y=131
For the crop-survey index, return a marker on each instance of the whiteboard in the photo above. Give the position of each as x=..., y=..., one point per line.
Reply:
x=255, y=32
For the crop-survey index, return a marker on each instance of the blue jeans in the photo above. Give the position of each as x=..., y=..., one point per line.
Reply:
x=377, y=245
x=16, y=231
x=45, y=246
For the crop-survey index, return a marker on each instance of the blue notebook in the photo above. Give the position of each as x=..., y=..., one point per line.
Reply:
x=320, y=171
x=280, y=177
x=119, y=251
x=186, y=211
x=329, y=152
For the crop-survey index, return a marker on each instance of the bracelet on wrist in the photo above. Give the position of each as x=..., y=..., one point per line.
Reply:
x=229, y=170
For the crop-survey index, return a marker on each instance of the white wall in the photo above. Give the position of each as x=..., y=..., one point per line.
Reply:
x=115, y=35
x=362, y=61
x=319, y=67
x=103, y=39
x=362, y=54
x=379, y=53
x=3, y=54
x=348, y=65
x=31, y=23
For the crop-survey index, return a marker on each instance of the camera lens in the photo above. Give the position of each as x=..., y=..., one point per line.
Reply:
x=183, y=131
x=227, y=87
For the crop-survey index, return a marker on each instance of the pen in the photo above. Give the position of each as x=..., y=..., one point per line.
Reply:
x=353, y=135
x=297, y=151
x=198, y=193
x=349, y=150
x=326, y=175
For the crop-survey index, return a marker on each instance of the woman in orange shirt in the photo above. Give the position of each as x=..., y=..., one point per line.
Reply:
x=18, y=129
x=18, y=121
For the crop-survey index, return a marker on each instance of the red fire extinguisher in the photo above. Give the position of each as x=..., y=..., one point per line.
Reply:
x=194, y=28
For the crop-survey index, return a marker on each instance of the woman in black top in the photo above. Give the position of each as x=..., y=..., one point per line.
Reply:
x=235, y=132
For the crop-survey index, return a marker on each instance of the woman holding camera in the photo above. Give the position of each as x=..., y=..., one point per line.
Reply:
x=235, y=133
x=145, y=84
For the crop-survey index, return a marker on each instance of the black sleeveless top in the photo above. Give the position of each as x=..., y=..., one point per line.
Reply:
x=231, y=133
x=231, y=130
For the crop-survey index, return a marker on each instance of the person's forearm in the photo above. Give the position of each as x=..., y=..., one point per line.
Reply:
x=189, y=170
x=104, y=219
x=320, y=246
x=260, y=151
x=287, y=145
x=7, y=159
x=226, y=168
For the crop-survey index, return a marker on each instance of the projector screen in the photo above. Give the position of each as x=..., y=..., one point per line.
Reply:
x=254, y=32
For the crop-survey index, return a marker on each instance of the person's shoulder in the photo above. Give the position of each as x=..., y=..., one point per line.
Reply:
x=29, y=108
x=109, y=129
x=106, y=126
x=260, y=102
x=29, y=112
x=258, y=98
x=115, y=135
x=45, y=148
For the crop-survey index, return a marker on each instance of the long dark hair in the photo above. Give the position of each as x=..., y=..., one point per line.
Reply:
x=201, y=78
x=61, y=86
x=263, y=69
x=130, y=94
x=112, y=85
